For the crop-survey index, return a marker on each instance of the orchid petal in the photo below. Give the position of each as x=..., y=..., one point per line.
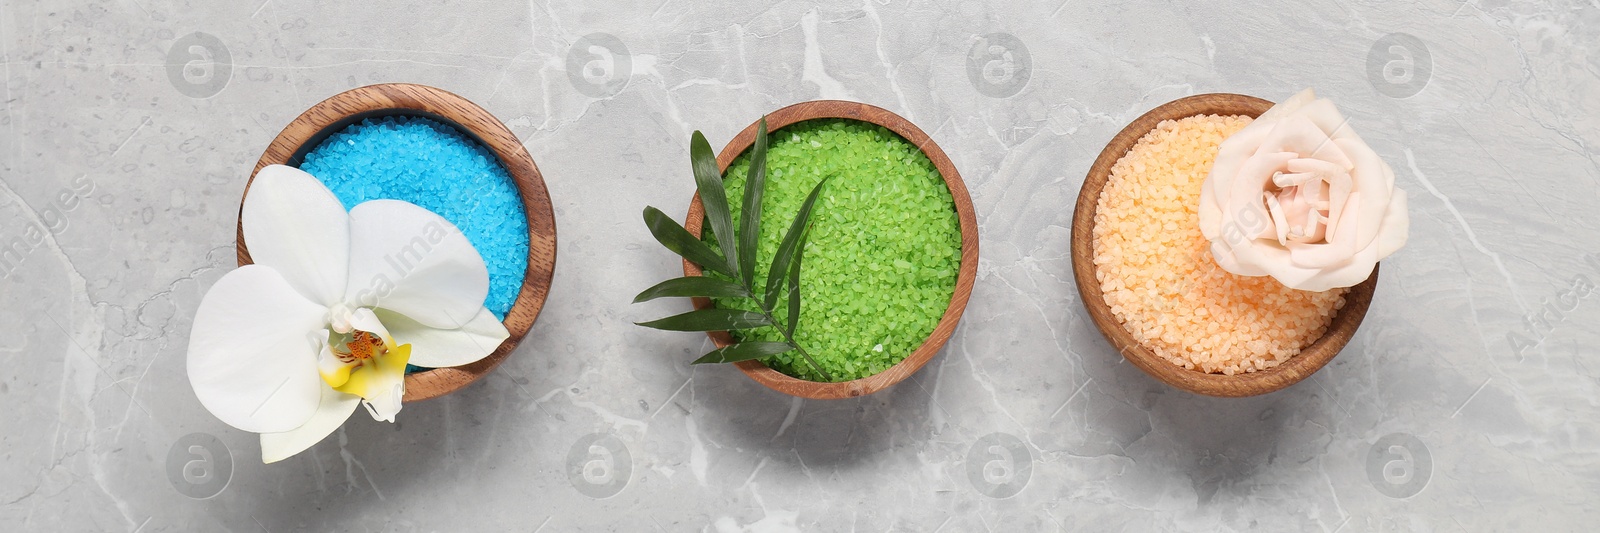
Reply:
x=411, y=261
x=252, y=351
x=295, y=225
x=333, y=410
x=364, y=319
x=439, y=348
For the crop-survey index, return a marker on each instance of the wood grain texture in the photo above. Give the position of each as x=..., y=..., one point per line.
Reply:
x=781, y=382
x=1311, y=359
x=333, y=114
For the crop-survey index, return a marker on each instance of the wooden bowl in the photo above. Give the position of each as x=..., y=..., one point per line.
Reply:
x=375, y=101
x=1309, y=360
x=969, y=249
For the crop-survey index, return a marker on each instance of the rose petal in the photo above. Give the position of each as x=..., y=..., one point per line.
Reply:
x=439, y=348
x=1244, y=205
x=1288, y=105
x=409, y=260
x=1335, y=189
x=1301, y=219
x=295, y=225
x=1269, y=258
x=1395, y=226
x=252, y=357
x=333, y=410
x=1337, y=249
x=1373, y=178
x=1229, y=261
x=1315, y=167
x=1356, y=270
x=1210, y=214
x=1280, y=221
x=1303, y=137
x=1233, y=153
x=1326, y=116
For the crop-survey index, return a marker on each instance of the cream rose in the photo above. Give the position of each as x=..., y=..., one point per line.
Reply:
x=1298, y=196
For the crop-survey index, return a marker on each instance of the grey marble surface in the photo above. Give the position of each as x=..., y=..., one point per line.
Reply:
x=1469, y=399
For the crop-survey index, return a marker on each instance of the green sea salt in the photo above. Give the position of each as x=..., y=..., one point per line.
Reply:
x=885, y=246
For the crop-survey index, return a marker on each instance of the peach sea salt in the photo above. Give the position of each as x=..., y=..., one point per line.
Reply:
x=1157, y=273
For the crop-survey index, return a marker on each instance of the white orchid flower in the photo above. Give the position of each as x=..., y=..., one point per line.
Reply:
x=331, y=312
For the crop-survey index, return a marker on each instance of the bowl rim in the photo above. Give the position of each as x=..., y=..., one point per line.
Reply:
x=1297, y=368
x=338, y=111
x=965, y=278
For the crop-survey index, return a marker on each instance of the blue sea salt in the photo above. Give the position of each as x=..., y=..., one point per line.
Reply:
x=435, y=166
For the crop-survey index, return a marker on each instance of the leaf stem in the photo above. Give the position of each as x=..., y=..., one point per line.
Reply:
x=790, y=339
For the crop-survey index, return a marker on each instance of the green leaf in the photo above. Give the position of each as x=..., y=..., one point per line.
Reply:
x=786, y=250
x=744, y=351
x=794, y=285
x=693, y=286
x=708, y=181
x=785, y=267
x=710, y=320
x=750, y=216
x=681, y=242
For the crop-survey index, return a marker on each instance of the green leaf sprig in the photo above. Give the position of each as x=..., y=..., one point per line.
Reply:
x=739, y=263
